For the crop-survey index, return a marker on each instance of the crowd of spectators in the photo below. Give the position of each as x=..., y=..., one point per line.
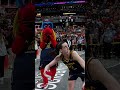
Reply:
x=101, y=17
x=76, y=34
x=6, y=28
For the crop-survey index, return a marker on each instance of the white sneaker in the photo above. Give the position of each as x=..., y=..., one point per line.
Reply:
x=44, y=86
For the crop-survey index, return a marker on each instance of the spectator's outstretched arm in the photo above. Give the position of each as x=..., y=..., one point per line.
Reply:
x=52, y=63
x=98, y=72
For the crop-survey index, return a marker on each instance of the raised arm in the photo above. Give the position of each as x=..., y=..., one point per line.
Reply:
x=98, y=72
x=52, y=63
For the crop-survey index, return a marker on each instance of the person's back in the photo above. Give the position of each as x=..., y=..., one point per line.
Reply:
x=80, y=40
x=108, y=35
x=107, y=39
x=47, y=55
x=23, y=46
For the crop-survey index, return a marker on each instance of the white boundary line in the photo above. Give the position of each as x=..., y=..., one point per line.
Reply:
x=112, y=66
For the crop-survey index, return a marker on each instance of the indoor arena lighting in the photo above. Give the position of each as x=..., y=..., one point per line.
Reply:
x=68, y=13
x=55, y=3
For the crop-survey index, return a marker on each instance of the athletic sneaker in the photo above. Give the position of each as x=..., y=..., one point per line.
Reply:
x=44, y=86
